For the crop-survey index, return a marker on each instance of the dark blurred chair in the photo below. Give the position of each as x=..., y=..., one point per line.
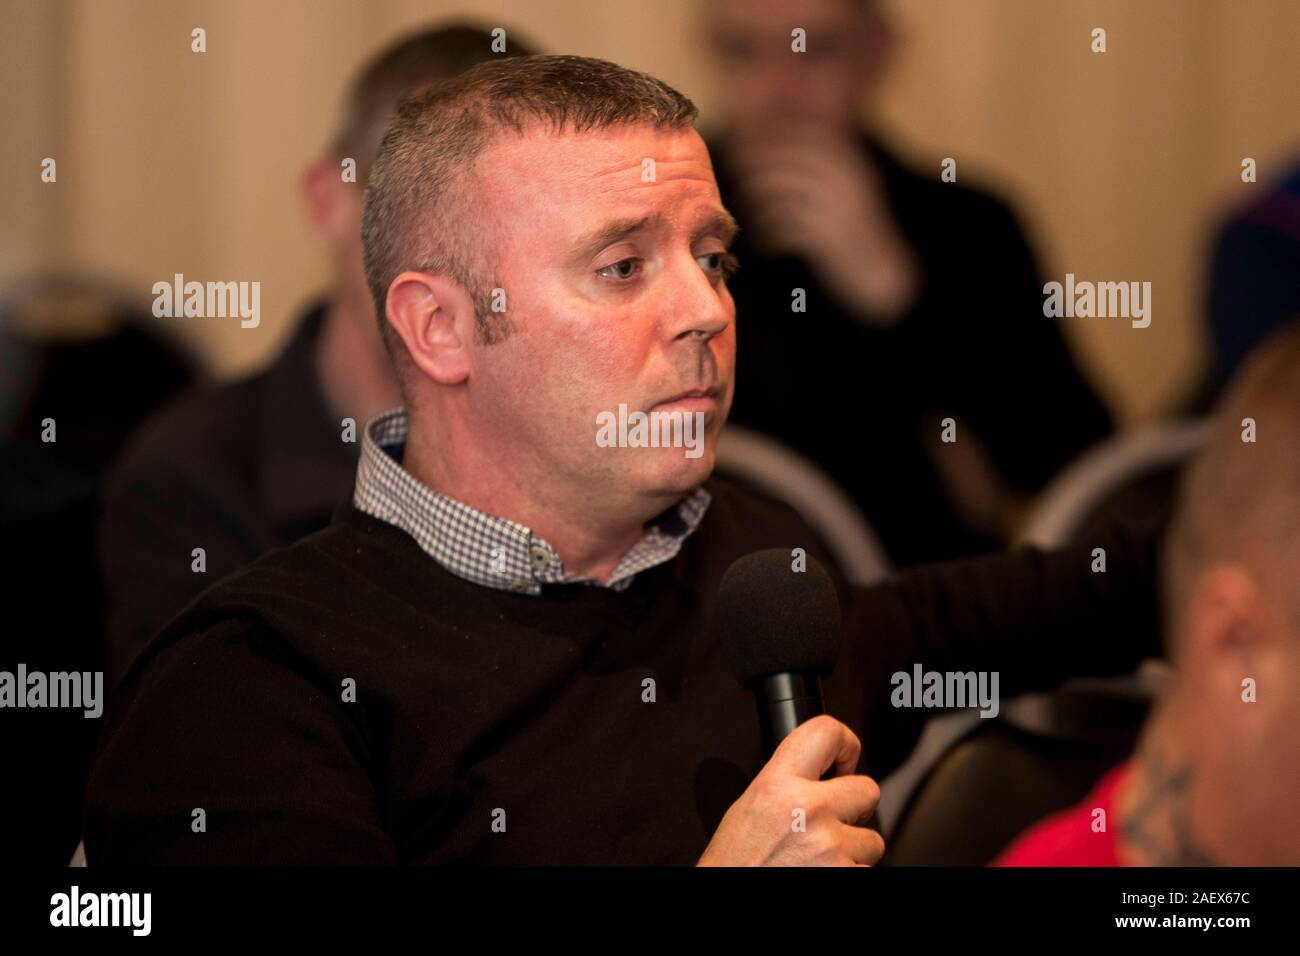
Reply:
x=1128, y=475
x=783, y=473
x=973, y=785
x=77, y=350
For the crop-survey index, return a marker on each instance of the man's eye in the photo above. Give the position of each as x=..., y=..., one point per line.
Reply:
x=623, y=269
x=722, y=263
x=737, y=49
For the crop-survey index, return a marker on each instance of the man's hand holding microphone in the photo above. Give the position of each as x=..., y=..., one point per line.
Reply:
x=778, y=617
x=789, y=816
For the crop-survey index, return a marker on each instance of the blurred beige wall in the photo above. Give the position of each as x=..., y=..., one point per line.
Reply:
x=171, y=161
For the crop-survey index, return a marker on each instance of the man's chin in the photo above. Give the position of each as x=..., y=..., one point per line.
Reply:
x=671, y=472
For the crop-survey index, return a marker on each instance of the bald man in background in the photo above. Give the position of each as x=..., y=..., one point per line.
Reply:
x=1216, y=780
x=251, y=465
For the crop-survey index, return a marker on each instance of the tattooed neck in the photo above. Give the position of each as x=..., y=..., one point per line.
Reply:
x=1155, y=822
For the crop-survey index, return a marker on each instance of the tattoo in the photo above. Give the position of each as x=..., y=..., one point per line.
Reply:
x=1160, y=823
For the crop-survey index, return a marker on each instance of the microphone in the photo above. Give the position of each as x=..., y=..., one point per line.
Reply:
x=781, y=630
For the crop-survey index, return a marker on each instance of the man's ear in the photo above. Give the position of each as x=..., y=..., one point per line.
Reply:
x=321, y=190
x=1232, y=625
x=880, y=43
x=1235, y=664
x=434, y=316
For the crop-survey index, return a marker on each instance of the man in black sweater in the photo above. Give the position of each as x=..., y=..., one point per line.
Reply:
x=503, y=649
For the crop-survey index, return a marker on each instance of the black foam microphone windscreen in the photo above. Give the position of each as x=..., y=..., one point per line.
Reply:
x=776, y=619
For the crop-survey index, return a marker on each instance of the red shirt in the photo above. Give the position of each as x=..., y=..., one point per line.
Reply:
x=1068, y=838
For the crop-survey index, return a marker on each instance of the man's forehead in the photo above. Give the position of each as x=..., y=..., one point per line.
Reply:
x=778, y=16
x=623, y=156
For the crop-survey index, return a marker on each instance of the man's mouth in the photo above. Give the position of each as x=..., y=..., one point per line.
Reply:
x=692, y=400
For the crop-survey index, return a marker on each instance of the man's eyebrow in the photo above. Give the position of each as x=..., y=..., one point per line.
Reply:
x=610, y=233
x=721, y=223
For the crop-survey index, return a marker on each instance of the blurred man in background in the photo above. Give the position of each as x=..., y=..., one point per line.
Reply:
x=255, y=464
x=1216, y=779
x=1254, y=274
x=923, y=299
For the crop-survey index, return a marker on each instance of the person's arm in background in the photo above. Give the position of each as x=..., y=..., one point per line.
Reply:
x=1035, y=617
x=227, y=722
x=1029, y=409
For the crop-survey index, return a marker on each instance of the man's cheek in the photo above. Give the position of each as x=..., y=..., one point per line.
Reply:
x=607, y=377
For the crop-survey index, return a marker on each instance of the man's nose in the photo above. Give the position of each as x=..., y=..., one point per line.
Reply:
x=697, y=310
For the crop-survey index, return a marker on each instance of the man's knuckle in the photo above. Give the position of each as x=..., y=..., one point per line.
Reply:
x=871, y=789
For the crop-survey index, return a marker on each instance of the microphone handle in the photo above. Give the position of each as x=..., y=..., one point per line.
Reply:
x=784, y=702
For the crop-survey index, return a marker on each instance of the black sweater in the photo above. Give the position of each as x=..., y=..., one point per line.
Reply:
x=476, y=707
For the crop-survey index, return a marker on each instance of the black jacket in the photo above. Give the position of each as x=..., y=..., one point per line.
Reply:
x=236, y=469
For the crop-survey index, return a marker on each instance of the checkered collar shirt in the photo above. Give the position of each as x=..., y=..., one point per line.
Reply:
x=485, y=549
